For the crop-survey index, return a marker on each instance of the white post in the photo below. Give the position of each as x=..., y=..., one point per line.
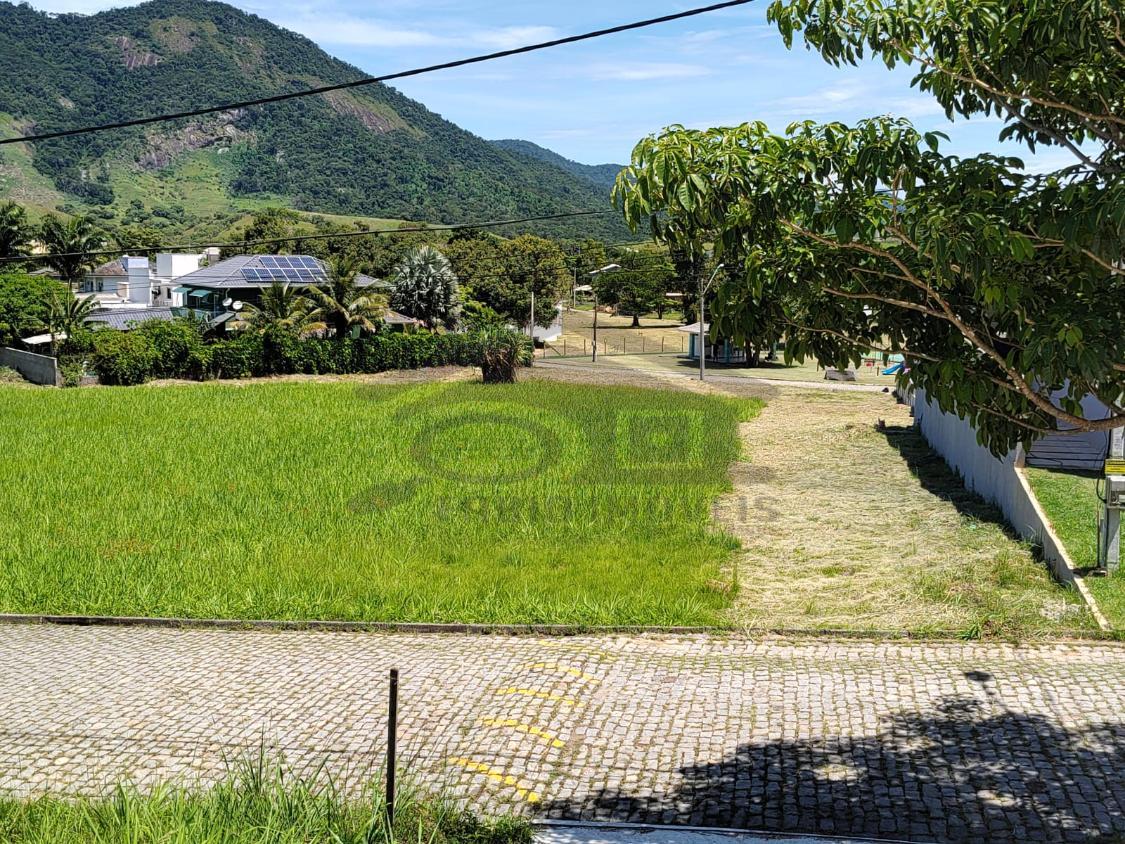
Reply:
x=1110, y=539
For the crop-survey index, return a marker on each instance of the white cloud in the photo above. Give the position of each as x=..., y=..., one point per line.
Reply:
x=643, y=71
x=505, y=38
x=357, y=32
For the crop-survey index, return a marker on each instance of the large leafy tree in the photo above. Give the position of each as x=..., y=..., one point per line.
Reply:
x=24, y=303
x=639, y=286
x=426, y=288
x=15, y=231
x=73, y=243
x=66, y=315
x=344, y=304
x=502, y=275
x=1003, y=288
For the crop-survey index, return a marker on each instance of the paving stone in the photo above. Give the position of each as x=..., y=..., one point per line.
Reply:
x=813, y=736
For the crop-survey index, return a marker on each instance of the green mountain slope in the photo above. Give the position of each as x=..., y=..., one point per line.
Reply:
x=599, y=175
x=370, y=151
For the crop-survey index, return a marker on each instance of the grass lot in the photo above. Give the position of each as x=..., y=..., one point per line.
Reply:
x=539, y=502
x=257, y=804
x=1071, y=502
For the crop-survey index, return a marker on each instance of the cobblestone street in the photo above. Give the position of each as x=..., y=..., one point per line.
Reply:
x=920, y=741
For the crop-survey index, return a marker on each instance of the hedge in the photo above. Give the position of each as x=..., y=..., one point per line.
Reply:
x=178, y=350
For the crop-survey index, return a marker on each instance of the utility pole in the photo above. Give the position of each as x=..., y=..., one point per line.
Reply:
x=703, y=288
x=590, y=287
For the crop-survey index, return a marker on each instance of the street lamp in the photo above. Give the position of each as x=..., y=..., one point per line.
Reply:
x=608, y=268
x=703, y=288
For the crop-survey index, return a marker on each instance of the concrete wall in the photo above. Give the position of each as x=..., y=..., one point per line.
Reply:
x=999, y=481
x=38, y=369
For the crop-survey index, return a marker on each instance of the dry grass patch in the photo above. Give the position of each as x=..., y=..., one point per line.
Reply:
x=845, y=526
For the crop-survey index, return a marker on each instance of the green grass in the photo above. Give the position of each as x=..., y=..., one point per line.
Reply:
x=538, y=502
x=1071, y=503
x=258, y=803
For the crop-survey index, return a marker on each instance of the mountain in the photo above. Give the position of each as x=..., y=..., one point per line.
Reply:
x=600, y=175
x=368, y=151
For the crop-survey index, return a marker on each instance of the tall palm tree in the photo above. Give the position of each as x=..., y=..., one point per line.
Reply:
x=426, y=288
x=343, y=304
x=15, y=232
x=72, y=242
x=66, y=314
x=284, y=307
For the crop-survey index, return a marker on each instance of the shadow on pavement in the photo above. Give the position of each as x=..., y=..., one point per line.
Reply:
x=970, y=771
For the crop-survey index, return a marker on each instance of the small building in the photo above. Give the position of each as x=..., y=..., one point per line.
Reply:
x=721, y=351
x=122, y=282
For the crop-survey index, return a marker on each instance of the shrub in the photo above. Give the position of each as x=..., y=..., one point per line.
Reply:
x=10, y=376
x=180, y=350
x=73, y=369
x=237, y=357
x=500, y=352
x=124, y=358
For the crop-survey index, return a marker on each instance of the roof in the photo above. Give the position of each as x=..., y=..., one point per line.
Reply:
x=694, y=328
x=110, y=268
x=243, y=271
x=395, y=318
x=124, y=318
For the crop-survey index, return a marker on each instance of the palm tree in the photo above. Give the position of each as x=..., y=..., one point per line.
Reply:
x=72, y=242
x=284, y=307
x=343, y=304
x=66, y=315
x=15, y=233
x=426, y=288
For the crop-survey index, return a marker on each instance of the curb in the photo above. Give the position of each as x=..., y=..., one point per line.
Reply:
x=615, y=826
x=514, y=630
x=1069, y=573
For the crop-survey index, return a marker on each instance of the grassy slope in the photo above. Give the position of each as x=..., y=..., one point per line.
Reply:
x=446, y=502
x=1072, y=504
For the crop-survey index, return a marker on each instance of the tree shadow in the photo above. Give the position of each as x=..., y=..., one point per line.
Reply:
x=935, y=476
x=968, y=771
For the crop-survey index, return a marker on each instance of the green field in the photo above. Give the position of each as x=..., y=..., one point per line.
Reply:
x=1071, y=503
x=538, y=502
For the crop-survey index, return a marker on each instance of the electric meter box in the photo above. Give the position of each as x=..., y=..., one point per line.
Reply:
x=1115, y=492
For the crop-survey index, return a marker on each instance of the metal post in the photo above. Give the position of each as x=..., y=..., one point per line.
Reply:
x=701, y=350
x=392, y=741
x=595, y=357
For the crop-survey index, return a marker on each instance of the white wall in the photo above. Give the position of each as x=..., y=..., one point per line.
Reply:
x=171, y=265
x=995, y=480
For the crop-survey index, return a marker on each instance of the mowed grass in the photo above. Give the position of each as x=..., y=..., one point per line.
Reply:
x=451, y=502
x=1071, y=503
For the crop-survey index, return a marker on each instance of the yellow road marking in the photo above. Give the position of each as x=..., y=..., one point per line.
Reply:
x=531, y=730
x=536, y=693
x=574, y=672
x=497, y=776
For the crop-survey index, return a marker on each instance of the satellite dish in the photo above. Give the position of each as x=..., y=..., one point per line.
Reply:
x=237, y=306
x=227, y=302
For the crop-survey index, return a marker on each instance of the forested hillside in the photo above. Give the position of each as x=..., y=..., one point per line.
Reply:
x=601, y=175
x=370, y=151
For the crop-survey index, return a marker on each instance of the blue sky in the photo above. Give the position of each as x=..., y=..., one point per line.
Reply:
x=593, y=101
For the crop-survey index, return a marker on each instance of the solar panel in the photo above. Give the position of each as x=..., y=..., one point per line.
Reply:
x=311, y=263
x=291, y=275
x=250, y=275
x=268, y=261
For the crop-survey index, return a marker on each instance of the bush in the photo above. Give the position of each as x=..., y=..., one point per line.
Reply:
x=124, y=358
x=237, y=357
x=500, y=352
x=73, y=369
x=10, y=376
x=180, y=349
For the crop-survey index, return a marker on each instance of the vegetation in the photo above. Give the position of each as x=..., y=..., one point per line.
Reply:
x=15, y=231
x=500, y=354
x=343, y=304
x=426, y=288
x=311, y=154
x=640, y=285
x=442, y=502
x=71, y=242
x=1071, y=503
x=25, y=302
x=258, y=802
x=1002, y=287
x=284, y=308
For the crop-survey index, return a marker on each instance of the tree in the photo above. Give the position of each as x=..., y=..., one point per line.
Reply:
x=24, y=301
x=73, y=242
x=426, y=288
x=66, y=315
x=15, y=231
x=345, y=305
x=503, y=274
x=284, y=308
x=139, y=239
x=639, y=286
x=1004, y=289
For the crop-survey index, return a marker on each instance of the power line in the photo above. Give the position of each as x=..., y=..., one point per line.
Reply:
x=180, y=247
x=357, y=83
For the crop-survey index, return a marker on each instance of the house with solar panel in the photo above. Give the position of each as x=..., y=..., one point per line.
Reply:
x=216, y=293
